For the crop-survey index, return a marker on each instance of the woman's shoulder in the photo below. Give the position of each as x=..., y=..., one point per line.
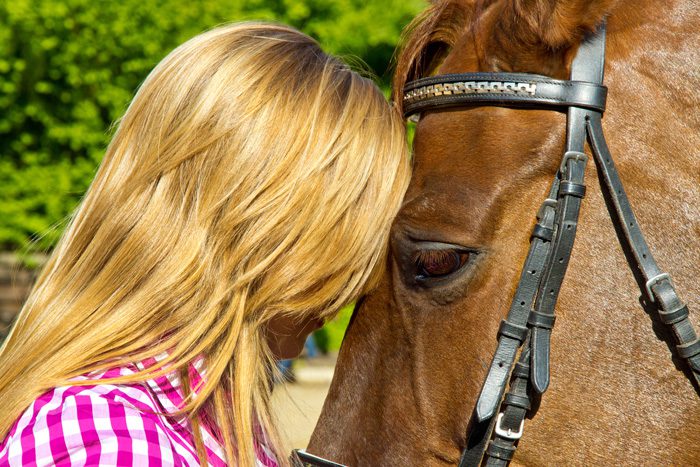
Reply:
x=92, y=424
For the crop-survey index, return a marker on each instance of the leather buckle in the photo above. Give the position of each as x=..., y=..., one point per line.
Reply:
x=653, y=281
x=508, y=433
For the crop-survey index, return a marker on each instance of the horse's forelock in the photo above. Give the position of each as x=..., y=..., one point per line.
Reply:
x=427, y=39
x=552, y=24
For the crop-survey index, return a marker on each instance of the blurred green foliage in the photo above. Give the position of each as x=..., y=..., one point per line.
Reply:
x=68, y=70
x=330, y=336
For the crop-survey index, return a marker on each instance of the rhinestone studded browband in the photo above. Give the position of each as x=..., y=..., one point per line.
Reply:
x=500, y=89
x=469, y=87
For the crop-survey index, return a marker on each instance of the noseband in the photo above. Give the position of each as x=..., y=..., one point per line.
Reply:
x=497, y=421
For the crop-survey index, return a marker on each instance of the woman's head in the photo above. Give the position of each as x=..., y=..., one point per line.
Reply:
x=252, y=179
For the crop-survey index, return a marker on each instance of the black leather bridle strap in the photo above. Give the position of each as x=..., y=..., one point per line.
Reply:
x=588, y=65
x=509, y=424
x=658, y=285
x=519, y=312
x=516, y=404
x=568, y=208
x=512, y=333
x=533, y=304
x=501, y=89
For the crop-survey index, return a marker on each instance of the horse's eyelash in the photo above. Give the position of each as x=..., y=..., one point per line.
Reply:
x=427, y=256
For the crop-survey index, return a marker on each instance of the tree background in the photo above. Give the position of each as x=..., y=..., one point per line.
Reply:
x=68, y=70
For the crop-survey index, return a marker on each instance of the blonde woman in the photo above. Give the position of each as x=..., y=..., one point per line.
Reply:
x=246, y=197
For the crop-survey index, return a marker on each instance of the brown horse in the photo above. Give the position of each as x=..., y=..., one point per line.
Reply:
x=418, y=348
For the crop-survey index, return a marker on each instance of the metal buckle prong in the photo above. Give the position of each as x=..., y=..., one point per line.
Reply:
x=657, y=278
x=549, y=202
x=508, y=434
x=575, y=155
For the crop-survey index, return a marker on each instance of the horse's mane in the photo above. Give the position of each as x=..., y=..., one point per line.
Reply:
x=533, y=30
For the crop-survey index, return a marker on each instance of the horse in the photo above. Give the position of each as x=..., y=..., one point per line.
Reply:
x=419, y=346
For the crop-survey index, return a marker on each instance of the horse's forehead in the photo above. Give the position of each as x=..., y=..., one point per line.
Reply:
x=460, y=140
x=478, y=148
x=470, y=168
x=447, y=204
x=462, y=58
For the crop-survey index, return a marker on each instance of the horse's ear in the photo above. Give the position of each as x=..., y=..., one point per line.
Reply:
x=522, y=35
x=427, y=41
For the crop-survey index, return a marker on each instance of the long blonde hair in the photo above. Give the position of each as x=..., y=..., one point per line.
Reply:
x=252, y=175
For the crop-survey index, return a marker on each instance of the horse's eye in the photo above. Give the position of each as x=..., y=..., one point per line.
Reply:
x=439, y=263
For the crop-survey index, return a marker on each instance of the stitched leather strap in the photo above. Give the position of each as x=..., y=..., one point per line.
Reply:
x=568, y=207
x=483, y=418
x=541, y=320
x=500, y=452
x=503, y=89
x=542, y=233
x=674, y=316
x=502, y=362
x=658, y=286
x=572, y=189
x=514, y=331
x=517, y=401
x=515, y=407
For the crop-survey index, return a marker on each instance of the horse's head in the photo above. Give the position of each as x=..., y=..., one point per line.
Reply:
x=418, y=348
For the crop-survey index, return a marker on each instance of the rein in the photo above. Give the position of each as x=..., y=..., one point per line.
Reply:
x=497, y=420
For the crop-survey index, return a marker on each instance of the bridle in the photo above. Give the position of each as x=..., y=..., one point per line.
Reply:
x=497, y=420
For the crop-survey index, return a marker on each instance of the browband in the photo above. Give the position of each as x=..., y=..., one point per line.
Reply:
x=501, y=89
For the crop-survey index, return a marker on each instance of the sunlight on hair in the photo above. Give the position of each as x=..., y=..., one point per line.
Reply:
x=252, y=175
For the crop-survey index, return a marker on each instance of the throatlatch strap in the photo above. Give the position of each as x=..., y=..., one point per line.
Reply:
x=658, y=286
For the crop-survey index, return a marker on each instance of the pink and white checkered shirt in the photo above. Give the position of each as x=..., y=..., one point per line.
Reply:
x=114, y=424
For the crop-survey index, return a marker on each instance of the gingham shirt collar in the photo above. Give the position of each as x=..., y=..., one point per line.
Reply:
x=168, y=388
